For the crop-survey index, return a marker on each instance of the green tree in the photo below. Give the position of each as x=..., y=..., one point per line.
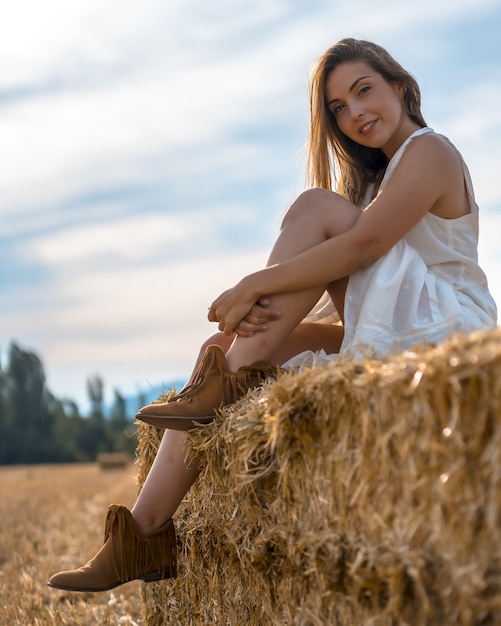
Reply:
x=94, y=436
x=3, y=425
x=68, y=426
x=28, y=420
x=123, y=431
x=37, y=427
x=95, y=391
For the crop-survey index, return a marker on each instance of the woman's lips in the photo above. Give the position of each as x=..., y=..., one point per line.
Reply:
x=366, y=128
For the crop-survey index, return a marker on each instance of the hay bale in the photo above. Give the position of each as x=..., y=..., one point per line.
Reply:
x=113, y=460
x=357, y=493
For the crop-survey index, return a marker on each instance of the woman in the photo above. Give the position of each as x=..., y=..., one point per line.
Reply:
x=393, y=251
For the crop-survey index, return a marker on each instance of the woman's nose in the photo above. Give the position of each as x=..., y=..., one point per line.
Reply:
x=356, y=111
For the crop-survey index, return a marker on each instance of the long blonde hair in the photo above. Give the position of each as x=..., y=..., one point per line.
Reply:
x=327, y=146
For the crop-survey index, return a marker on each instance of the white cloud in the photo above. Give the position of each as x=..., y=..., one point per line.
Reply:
x=131, y=325
x=132, y=239
x=92, y=131
x=59, y=142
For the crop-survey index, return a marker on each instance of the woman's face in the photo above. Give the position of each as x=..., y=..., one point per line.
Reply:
x=368, y=109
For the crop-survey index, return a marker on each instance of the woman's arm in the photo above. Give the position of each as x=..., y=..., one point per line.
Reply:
x=421, y=182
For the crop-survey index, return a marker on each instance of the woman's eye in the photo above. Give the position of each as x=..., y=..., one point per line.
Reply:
x=337, y=109
x=363, y=90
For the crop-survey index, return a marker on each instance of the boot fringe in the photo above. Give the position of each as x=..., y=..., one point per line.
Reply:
x=233, y=384
x=138, y=556
x=211, y=358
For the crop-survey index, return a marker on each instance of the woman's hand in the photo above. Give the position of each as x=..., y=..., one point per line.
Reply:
x=257, y=319
x=240, y=309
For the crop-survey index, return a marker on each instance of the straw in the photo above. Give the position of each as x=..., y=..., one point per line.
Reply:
x=360, y=492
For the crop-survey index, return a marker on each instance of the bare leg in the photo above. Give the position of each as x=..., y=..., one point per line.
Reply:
x=316, y=215
x=172, y=472
x=168, y=480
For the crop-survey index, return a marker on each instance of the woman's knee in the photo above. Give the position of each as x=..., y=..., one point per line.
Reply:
x=218, y=339
x=325, y=206
x=310, y=200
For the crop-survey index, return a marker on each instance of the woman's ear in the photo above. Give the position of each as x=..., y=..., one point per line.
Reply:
x=400, y=89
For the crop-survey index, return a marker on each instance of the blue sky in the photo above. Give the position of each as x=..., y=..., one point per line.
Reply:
x=148, y=149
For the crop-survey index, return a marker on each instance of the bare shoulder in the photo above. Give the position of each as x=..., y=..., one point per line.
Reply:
x=438, y=160
x=432, y=146
x=433, y=158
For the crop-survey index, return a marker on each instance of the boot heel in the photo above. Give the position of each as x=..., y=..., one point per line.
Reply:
x=154, y=577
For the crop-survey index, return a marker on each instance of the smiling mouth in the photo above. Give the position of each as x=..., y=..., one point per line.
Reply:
x=366, y=128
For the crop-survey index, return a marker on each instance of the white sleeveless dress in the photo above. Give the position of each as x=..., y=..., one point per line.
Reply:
x=426, y=288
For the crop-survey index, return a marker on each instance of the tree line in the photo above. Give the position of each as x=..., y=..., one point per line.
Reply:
x=37, y=427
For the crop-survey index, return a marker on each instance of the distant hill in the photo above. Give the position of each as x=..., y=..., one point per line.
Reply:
x=150, y=394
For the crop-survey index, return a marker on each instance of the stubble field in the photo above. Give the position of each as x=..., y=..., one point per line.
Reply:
x=52, y=518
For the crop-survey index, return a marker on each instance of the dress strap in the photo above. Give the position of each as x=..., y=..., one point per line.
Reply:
x=394, y=161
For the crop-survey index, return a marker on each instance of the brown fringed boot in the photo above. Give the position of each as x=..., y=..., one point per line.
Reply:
x=214, y=386
x=127, y=554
